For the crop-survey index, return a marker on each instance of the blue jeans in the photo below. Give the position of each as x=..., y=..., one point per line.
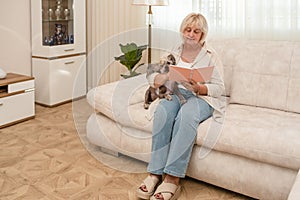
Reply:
x=174, y=132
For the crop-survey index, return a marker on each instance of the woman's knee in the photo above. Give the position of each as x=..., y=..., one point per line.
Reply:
x=167, y=109
x=195, y=111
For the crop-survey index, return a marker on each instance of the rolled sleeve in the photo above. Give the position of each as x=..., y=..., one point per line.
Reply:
x=216, y=87
x=215, y=90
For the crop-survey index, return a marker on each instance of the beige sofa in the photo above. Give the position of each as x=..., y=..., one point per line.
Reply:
x=257, y=152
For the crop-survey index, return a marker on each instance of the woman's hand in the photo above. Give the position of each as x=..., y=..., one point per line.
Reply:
x=193, y=86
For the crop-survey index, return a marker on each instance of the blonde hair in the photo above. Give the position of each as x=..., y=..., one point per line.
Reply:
x=198, y=20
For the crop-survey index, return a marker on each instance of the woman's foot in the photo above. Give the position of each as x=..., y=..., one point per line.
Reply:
x=147, y=188
x=168, y=190
x=143, y=187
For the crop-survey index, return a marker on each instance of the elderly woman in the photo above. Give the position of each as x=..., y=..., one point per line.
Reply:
x=175, y=125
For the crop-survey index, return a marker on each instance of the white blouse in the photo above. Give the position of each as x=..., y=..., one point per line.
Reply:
x=181, y=63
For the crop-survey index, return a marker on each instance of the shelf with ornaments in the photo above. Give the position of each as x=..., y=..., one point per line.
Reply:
x=57, y=22
x=61, y=33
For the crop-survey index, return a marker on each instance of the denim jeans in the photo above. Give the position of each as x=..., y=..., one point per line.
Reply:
x=174, y=131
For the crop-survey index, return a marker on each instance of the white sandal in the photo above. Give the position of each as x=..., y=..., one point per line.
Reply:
x=169, y=191
x=150, y=182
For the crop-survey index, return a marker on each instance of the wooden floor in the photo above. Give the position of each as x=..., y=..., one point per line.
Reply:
x=49, y=158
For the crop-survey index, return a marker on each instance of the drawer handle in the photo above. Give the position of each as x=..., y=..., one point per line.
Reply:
x=69, y=49
x=70, y=62
x=1, y=104
x=29, y=90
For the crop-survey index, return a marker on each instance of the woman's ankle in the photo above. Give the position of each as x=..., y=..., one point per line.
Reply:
x=172, y=179
x=159, y=177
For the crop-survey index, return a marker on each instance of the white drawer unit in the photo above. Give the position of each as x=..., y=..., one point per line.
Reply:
x=59, y=80
x=16, y=99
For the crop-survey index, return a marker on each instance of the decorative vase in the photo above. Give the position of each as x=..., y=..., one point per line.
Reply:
x=67, y=13
x=57, y=14
x=50, y=14
x=58, y=10
x=71, y=39
x=60, y=31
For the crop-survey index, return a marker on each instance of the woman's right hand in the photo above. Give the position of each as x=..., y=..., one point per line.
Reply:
x=161, y=79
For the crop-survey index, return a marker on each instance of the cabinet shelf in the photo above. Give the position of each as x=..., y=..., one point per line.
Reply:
x=56, y=20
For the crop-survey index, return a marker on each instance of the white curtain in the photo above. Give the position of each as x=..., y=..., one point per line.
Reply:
x=109, y=23
x=170, y=17
x=166, y=23
x=255, y=19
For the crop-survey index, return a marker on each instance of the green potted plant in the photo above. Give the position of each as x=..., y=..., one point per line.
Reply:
x=132, y=54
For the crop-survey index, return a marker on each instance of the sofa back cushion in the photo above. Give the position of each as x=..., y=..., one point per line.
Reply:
x=227, y=49
x=262, y=73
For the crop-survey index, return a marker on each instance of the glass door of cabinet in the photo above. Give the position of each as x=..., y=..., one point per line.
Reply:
x=57, y=22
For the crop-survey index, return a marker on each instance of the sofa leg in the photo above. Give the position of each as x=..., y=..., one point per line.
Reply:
x=110, y=152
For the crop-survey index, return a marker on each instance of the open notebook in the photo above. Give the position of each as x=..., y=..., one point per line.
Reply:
x=179, y=74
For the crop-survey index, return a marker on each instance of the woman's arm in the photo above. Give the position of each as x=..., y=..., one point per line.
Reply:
x=216, y=87
x=156, y=79
x=160, y=79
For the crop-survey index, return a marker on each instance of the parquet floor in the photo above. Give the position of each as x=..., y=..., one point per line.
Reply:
x=48, y=158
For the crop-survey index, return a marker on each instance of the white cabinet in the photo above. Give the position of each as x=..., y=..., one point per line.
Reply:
x=16, y=99
x=58, y=50
x=59, y=80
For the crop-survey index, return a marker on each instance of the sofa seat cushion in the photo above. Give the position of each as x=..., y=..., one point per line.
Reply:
x=262, y=134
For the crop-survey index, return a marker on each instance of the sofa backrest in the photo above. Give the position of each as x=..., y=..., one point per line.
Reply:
x=261, y=73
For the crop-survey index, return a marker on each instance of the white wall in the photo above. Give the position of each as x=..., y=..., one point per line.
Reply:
x=15, y=39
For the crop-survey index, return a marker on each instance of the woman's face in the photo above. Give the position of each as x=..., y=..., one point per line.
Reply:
x=192, y=35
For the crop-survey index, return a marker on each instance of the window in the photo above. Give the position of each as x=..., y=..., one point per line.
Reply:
x=256, y=19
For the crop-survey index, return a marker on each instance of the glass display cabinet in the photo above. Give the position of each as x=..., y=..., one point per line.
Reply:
x=58, y=50
x=57, y=22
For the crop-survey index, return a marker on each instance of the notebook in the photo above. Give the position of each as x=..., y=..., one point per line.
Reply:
x=179, y=74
